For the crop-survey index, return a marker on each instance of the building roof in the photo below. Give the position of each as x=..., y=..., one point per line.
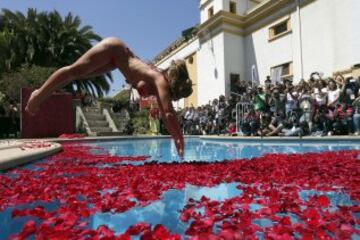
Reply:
x=253, y=15
x=186, y=35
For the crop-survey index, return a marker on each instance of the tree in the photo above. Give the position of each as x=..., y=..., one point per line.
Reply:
x=26, y=76
x=46, y=39
x=123, y=97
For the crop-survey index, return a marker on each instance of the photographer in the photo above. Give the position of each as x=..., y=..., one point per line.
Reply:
x=342, y=114
x=251, y=123
x=260, y=100
x=356, y=116
x=189, y=115
x=333, y=94
x=306, y=105
x=321, y=121
x=276, y=124
x=348, y=90
x=291, y=100
x=277, y=102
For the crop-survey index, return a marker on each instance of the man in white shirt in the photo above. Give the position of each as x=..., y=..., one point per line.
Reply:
x=333, y=94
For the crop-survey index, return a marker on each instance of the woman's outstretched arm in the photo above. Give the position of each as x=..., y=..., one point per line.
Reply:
x=168, y=114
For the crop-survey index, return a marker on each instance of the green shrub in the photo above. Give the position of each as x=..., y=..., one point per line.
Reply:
x=26, y=76
x=140, y=121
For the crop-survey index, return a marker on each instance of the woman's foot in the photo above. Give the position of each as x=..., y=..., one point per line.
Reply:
x=33, y=104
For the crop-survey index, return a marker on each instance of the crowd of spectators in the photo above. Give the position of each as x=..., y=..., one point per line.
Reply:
x=213, y=118
x=315, y=107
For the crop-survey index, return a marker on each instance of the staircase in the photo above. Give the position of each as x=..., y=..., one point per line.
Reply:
x=99, y=122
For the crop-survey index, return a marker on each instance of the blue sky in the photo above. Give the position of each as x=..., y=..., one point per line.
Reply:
x=147, y=26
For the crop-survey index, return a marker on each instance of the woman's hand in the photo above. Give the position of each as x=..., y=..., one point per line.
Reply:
x=173, y=126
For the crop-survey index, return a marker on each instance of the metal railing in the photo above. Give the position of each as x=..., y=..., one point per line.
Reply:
x=81, y=121
x=242, y=108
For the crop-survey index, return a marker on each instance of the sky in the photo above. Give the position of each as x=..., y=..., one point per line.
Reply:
x=147, y=26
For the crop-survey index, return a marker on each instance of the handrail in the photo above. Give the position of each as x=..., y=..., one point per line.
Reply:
x=81, y=119
x=242, y=108
x=109, y=119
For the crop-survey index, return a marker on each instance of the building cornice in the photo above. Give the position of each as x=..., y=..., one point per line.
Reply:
x=221, y=18
x=252, y=17
x=263, y=10
x=166, y=57
x=201, y=5
x=204, y=4
x=241, y=25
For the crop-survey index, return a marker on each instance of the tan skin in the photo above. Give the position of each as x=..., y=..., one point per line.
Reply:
x=107, y=55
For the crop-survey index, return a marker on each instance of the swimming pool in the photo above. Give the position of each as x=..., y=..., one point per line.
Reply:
x=140, y=188
x=198, y=150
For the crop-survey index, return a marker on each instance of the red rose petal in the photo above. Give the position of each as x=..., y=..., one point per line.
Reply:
x=323, y=201
x=29, y=228
x=138, y=228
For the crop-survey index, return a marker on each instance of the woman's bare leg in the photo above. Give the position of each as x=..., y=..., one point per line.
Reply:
x=100, y=71
x=96, y=61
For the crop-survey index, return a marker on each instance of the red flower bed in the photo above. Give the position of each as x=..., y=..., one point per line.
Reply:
x=272, y=181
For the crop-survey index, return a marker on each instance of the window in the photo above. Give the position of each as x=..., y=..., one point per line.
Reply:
x=280, y=29
x=232, y=7
x=280, y=72
x=190, y=60
x=211, y=12
x=234, y=82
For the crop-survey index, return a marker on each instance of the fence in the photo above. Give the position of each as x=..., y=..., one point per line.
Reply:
x=242, y=108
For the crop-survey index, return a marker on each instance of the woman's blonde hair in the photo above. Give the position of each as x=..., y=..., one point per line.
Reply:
x=180, y=83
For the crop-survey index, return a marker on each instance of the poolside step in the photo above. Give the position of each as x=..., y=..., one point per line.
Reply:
x=95, y=116
x=92, y=110
x=110, y=134
x=97, y=123
x=101, y=129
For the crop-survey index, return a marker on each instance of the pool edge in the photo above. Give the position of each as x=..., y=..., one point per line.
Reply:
x=216, y=137
x=19, y=155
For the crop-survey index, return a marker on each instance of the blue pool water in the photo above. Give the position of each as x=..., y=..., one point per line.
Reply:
x=166, y=210
x=163, y=150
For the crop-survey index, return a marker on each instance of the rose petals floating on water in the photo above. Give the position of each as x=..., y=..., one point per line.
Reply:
x=273, y=182
x=35, y=144
x=71, y=136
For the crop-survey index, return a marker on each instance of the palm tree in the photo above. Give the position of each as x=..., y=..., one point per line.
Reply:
x=48, y=40
x=6, y=40
x=12, y=42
